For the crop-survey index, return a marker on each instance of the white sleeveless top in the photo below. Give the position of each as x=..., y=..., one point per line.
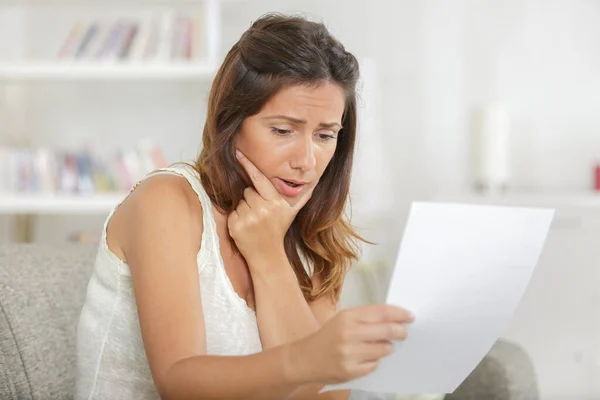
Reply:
x=111, y=360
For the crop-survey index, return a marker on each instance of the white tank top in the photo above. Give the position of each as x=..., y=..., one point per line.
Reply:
x=111, y=360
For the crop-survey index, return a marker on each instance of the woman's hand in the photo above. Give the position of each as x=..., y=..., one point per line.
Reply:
x=259, y=223
x=349, y=345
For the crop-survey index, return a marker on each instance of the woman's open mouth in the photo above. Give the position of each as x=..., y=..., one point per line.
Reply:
x=289, y=188
x=292, y=184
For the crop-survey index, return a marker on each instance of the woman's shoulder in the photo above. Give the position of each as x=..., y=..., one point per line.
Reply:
x=165, y=204
x=165, y=192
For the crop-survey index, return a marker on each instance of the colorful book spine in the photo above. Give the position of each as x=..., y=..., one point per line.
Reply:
x=171, y=35
x=84, y=44
x=87, y=171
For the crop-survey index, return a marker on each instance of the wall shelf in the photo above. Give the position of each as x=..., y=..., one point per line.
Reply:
x=104, y=3
x=181, y=45
x=59, y=204
x=536, y=199
x=73, y=71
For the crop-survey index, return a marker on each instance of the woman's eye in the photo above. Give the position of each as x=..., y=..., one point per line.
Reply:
x=281, y=131
x=325, y=136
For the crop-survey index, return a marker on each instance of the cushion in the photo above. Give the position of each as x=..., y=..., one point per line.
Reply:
x=41, y=294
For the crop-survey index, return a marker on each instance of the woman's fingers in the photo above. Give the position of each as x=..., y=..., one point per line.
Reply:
x=382, y=313
x=243, y=208
x=369, y=352
x=366, y=368
x=263, y=186
x=252, y=197
x=382, y=332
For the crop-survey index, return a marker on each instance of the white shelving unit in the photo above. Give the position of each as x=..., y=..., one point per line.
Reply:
x=131, y=71
x=533, y=199
x=16, y=73
x=47, y=204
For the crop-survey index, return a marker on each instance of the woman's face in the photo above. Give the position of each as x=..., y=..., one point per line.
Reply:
x=294, y=136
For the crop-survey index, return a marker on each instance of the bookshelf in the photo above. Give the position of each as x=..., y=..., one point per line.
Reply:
x=581, y=199
x=54, y=37
x=52, y=204
x=64, y=41
x=134, y=71
x=80, y=3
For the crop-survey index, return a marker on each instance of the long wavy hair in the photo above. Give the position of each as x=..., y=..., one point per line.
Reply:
x=279, y=51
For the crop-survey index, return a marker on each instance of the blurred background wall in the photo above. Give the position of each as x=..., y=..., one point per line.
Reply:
x=428, y=66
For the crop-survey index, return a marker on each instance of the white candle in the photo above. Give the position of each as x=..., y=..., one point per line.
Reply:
x=491, y=149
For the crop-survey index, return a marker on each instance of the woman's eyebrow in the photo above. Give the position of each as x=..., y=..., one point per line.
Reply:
x=302, y=121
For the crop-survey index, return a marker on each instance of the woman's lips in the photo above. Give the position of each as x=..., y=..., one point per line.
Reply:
x=287, y=190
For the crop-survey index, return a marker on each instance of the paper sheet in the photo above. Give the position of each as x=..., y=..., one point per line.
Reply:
x=462, y=269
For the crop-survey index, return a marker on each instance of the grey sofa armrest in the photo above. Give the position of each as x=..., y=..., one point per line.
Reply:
x=506, y=373
x=42, y=290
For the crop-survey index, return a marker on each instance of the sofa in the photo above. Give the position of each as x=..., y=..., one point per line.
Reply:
x=41, y=293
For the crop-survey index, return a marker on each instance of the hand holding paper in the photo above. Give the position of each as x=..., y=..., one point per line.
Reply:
x=462, y=269
x=350, y=344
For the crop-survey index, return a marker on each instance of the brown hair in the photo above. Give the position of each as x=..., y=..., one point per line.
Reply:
x=279, y=51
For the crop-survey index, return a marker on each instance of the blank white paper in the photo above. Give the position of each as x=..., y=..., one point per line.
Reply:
x=462, y=269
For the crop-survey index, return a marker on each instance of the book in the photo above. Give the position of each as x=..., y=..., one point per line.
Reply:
x=69, y=46
x=91, y=169
x=168, y=36
x=90, y=33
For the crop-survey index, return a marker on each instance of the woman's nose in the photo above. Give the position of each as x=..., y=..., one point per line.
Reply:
x=304, y=154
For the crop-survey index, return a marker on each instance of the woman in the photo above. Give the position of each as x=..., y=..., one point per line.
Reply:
x=220, y=280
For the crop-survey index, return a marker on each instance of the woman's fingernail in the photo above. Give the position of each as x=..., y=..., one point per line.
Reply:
x=238, y=154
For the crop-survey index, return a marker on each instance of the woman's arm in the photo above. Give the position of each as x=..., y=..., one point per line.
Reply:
x=284, y=315
x=259, y=376
x=258, y=226
x=356, y=337
x=282, y=312
x=159, y=235
x=157, y=231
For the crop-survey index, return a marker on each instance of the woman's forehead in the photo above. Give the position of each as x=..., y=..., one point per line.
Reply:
x=327, y=100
